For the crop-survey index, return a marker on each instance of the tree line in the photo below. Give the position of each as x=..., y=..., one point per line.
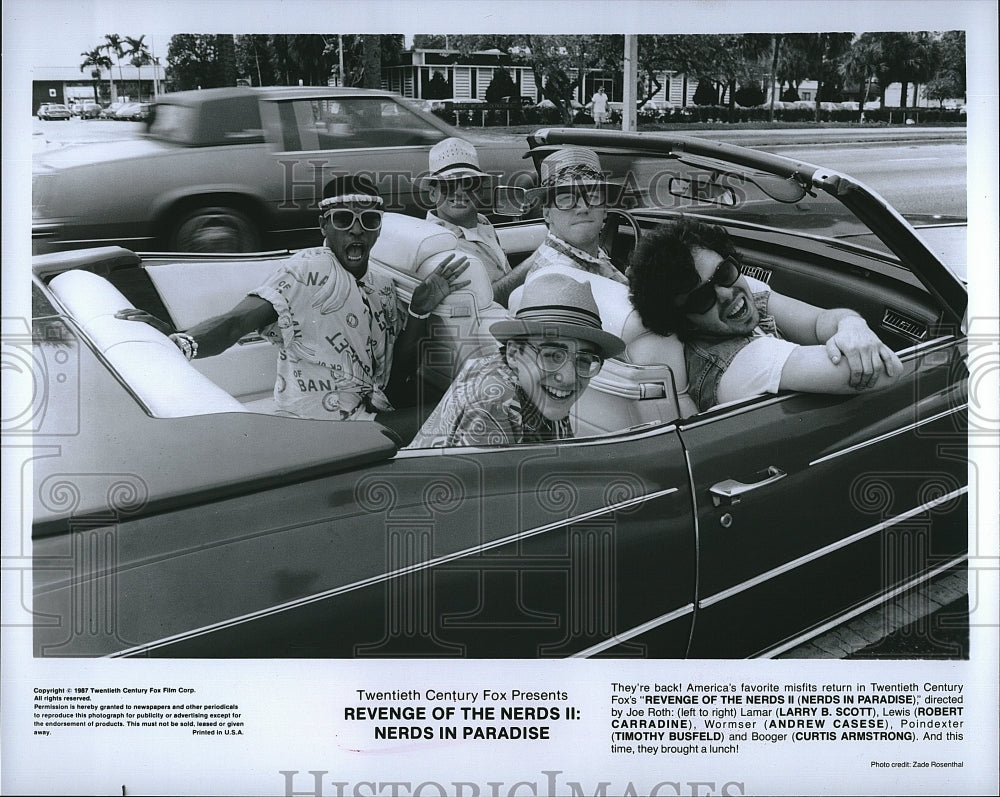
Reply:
x=730, y=68
x=739, y=68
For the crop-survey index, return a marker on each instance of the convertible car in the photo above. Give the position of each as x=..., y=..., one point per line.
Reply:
x=176, y=516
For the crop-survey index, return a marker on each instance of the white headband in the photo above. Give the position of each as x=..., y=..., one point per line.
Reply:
x=346, y=199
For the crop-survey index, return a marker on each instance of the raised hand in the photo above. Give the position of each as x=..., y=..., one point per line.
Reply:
x=439, y=284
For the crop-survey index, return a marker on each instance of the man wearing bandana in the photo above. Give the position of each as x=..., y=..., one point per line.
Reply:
x=574, y=194
x=339, y=329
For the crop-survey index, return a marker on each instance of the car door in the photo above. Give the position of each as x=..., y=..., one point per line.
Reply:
x=808, y=506
x=578, y=549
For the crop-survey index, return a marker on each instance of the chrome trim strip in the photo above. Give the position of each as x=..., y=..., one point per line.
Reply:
x=888, y=435
x=821, y=552
x=281, y=607
x=850, y=615
x=639, y=432
x=642, y=628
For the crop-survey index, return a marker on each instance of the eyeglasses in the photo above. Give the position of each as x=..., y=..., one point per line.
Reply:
x=551, y=358
x=703, y=298
x=568, y=198
x=343, y=219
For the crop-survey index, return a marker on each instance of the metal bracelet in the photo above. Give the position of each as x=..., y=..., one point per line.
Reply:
x=186, y=343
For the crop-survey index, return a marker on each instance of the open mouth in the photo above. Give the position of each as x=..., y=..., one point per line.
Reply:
x=557, y=393
x=356, y=252
x=738, y=310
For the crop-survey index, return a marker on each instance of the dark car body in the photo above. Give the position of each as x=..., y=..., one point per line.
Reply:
x=174, y=516
x=90, y=110
x=238, y=169
x=54, y=111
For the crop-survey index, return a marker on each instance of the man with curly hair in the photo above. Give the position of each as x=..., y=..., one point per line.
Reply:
x=741, y=338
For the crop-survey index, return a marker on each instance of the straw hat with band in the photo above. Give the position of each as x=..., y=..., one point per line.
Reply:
x=569, y=166
x=453, y=159
x=554, y=305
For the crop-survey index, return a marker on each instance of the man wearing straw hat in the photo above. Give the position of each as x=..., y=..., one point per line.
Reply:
x=341, y=330
x=574, y=194
x=455, y=185
x=524, y=393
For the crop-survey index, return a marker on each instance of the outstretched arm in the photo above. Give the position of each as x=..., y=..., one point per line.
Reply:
x=844, y=335
x=217, y=334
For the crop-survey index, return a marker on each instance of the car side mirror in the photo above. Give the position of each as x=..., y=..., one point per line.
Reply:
x=510, y=200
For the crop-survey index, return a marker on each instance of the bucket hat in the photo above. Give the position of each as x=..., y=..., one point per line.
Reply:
x=568, y=166
x=554, y=305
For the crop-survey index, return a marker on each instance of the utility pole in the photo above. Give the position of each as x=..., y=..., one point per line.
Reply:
x=340, y=57
x=630, y=83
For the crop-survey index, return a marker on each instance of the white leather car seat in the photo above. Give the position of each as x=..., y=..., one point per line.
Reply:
x=147, y=361
x=648, y=382
x=408, y=250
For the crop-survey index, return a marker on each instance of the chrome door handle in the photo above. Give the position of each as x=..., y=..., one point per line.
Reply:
x=731, y=491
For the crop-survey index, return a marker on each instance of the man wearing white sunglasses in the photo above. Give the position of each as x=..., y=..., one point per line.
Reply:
x=339, y=328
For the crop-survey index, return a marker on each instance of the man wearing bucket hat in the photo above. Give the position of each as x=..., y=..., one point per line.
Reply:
x=524, y=393
x=340, y=329
x=454, y=185
x=574, y=194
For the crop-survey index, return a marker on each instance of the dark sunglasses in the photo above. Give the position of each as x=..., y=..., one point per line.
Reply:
x=703, y=298
x=343, y=219
x=594, y=196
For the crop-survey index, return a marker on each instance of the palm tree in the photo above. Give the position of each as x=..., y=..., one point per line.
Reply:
x=863, y=63
x=98, y=60
x=113, y=44
x=140, y=56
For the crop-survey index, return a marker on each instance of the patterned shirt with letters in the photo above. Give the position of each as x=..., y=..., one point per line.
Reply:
x=336, y=335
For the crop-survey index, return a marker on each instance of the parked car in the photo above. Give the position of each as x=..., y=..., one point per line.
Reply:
x=657, y=531
x=141, y=112
x=54, y=111
x=111, y=111
x=90, y=110
x=239, y=169
x=124, y=113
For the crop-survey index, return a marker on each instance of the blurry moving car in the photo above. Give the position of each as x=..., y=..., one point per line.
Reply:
x=53, y=111
x=657, y=531
x=238, y=169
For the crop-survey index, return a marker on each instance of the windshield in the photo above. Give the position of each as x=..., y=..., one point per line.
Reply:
x=727, y=191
